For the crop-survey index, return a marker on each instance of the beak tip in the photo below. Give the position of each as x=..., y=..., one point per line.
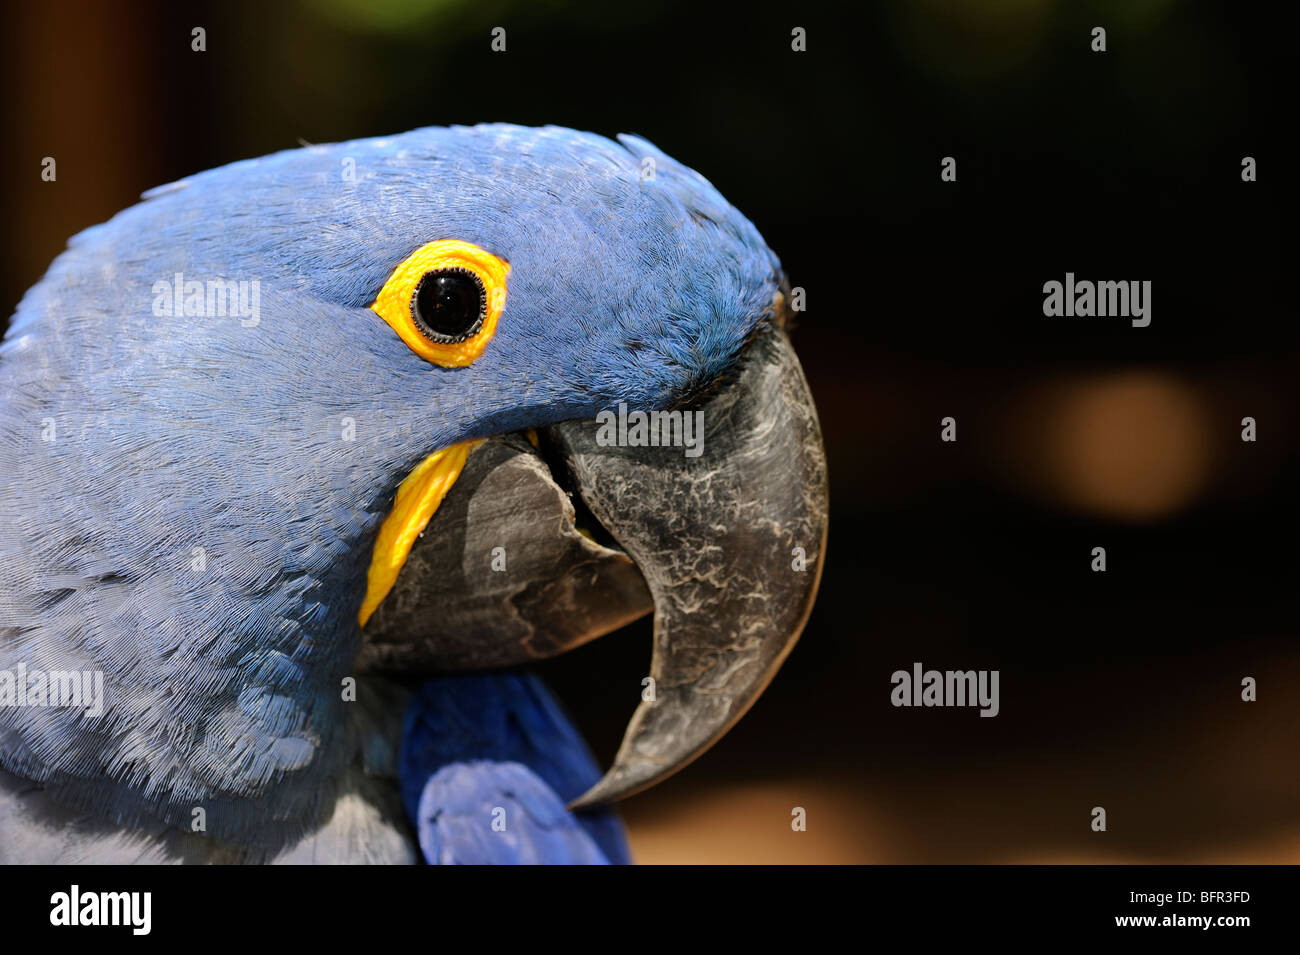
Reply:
x=591, y=799
x=606, y=791
x=618, y=783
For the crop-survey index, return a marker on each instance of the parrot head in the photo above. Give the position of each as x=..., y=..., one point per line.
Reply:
x=229, y=413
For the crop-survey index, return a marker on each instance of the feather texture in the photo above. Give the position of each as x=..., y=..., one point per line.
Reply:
x=472, y=743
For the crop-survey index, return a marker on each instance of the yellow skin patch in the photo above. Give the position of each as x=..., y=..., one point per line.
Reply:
x=393, y=304
x=419, y=496
x=417, y=499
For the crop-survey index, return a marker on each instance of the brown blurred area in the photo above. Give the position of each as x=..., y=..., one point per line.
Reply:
x=1120, y=689
x=1182, y=782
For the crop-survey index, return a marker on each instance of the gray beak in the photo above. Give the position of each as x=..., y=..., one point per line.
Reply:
x=726, y=547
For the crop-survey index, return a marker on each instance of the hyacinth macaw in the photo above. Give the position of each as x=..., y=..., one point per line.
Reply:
x=292, y=447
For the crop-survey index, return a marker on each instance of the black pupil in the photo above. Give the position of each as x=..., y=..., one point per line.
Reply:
x=449, y=303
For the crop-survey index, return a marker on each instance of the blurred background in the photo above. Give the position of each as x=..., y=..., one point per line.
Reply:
x=924, y=299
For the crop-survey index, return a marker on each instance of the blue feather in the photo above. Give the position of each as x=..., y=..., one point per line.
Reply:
x=499, y=814
x=480, y=724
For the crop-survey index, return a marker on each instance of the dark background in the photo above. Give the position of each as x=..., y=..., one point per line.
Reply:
x=924, y=298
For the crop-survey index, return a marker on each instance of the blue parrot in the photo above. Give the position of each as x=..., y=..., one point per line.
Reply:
x=229, y=414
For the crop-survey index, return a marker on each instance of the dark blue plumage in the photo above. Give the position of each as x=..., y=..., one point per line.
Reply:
x=479, y=742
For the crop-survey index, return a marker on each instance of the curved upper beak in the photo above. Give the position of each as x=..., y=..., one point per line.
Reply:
x=730, y=543
x=725, y=532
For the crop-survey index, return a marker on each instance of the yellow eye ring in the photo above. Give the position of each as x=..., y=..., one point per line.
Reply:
x=395, y=303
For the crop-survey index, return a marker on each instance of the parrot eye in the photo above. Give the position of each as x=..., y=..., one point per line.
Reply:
x=449, y=304
x=444, y=300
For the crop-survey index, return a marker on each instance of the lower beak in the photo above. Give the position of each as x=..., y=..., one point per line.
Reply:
x=725, y=544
